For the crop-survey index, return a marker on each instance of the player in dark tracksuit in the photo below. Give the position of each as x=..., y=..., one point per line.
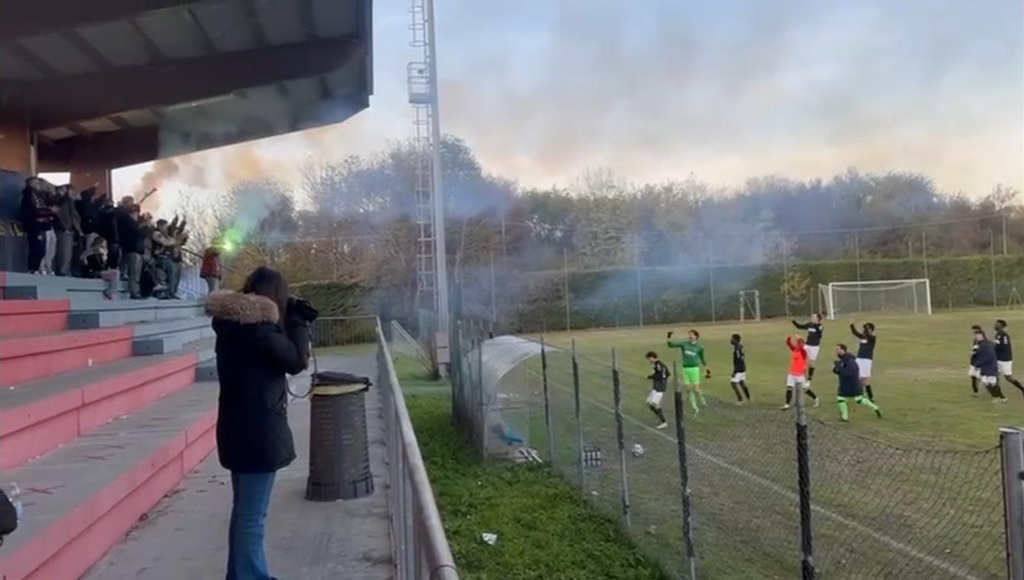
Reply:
x=1004, y=355
x=659, y=383
x=972, y=370
x=988, y=366
x=850, y=386
x=815, y=330
x=739, y=371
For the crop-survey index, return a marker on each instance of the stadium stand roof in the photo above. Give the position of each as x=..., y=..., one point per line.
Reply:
x=107, y=83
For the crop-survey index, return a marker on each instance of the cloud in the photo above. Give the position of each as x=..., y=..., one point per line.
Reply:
x=739, y=89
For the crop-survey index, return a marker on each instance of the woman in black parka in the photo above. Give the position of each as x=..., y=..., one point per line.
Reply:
x=258, y=346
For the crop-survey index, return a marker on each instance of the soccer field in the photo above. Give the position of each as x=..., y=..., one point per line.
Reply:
x=916, y=494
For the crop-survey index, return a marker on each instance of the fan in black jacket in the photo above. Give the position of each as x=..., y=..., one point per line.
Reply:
x=256, y=351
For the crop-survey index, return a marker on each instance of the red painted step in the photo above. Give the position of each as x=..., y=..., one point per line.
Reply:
x=38, y=416
x=26, y=358
x=33, y=316
x=81, y=498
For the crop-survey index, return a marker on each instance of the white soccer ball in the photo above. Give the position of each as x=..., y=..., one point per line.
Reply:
x=638, y=450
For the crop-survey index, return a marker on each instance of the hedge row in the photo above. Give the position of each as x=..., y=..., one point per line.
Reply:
x=625, y=297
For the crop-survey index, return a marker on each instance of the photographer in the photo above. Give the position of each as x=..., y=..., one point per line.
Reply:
x=262, y=337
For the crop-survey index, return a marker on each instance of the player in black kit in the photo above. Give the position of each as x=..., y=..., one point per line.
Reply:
x=973, y=371
x=739, y=371
x=659, y=382
x=815, y=330
x=1004, y=355
x=865, y=354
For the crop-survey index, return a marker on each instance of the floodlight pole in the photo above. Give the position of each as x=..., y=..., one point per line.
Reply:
x=437, y=193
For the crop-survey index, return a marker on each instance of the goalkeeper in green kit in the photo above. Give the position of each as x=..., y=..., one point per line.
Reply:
x=693, y=359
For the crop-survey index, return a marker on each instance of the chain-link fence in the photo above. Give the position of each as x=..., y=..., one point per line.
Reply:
x=738, y=492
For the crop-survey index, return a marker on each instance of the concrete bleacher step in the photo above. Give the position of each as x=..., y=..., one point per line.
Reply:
x=35, y=356
x=155, y=338
x=90, y=312
x=18, y=286
x=38, y=416
x=81, y=498
x=33, y=316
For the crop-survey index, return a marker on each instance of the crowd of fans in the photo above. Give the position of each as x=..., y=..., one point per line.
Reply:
x=85, y=234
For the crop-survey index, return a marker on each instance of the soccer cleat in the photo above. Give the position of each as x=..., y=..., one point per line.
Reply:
x=739, y=403
x=662, y=426
x=817, y=403
x=784, y=407
x=1002, y=400
x=878, y=413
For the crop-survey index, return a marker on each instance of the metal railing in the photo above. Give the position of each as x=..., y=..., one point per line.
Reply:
x=419, y=545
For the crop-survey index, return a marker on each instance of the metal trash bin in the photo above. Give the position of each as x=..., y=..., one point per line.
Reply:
x=339, y=455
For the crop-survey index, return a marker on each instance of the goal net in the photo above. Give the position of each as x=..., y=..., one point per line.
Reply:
x=891, y=296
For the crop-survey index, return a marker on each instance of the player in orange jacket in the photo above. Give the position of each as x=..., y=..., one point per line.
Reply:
x=797, y=371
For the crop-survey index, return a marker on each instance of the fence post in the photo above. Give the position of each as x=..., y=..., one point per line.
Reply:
x=803, y=466
x=620, y=435
x=565, y=283
x=1012, y=443
x=690, y=561
x=547, y=400
x=480, y=411
x=580, y=459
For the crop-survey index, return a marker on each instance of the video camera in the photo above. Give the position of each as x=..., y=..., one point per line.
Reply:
x=303, y=309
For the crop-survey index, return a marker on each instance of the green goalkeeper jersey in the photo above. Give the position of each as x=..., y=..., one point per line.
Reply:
x=693, y=352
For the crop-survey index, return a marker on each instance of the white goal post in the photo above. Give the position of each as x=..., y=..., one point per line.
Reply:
x=913, y=296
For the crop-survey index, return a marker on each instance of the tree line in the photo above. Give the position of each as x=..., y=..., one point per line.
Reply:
x=354, y=221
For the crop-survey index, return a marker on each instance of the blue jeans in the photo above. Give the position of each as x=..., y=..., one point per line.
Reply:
x=246, y=558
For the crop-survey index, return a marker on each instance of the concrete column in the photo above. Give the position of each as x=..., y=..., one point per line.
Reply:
x=15, y=146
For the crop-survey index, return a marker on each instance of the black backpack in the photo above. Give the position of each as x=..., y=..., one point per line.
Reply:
x=8, y=516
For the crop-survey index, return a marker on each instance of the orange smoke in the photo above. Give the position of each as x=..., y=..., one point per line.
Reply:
x=160, y=172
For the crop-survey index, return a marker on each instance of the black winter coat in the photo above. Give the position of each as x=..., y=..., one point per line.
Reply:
x=849, y=376
x=254, y=357
x=130, y=236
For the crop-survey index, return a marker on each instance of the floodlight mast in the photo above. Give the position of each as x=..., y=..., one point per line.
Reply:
x=431, y=263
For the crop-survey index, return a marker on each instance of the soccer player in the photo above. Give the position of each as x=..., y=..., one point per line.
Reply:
x=972, y=370
x=739, y=370
x=797, y=367
x=848, y=372
x=988, y=366
x=1004, y=355
x=815, y=330
x=659, y=382
x=865, y=354
x=693, y=359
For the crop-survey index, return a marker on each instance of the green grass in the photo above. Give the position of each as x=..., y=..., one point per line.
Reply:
x=346, y=350
x=545, y=530
x=891, y=500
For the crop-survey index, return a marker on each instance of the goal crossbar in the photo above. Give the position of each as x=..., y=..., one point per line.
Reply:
x=907, y=296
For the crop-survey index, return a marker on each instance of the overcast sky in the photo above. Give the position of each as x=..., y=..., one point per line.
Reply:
x=722, y=89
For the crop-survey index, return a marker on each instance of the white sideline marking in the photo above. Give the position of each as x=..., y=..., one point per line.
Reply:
x=882, y=538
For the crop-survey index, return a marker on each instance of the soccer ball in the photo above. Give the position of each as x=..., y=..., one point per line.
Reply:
x=638, y=450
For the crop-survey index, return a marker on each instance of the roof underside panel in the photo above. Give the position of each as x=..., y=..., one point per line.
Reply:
x=59, y=54
x=118, y=42
x=172, y=34
x=229, y=24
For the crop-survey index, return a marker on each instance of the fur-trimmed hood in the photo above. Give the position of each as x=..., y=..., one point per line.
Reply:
x=241, y=308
